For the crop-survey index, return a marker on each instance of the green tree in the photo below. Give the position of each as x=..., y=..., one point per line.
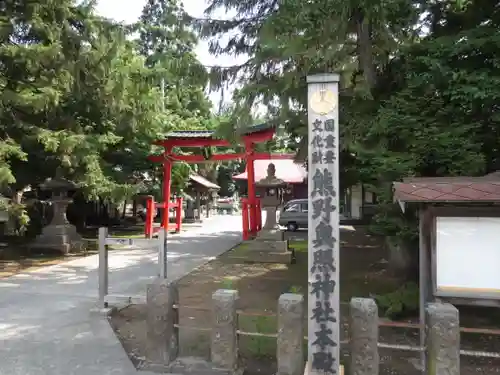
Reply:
x=435, y=109
x=168, y=44
x=410, y=104
x=75, y=101
x=288, y=40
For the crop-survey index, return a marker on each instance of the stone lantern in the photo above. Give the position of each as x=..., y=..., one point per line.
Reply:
x=271, y=192
x=269, y=245
x=60, y=235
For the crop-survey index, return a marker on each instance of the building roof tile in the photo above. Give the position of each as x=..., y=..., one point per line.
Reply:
x=448, y=189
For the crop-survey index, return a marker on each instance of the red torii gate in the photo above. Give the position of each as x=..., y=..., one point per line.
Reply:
x=202, y=138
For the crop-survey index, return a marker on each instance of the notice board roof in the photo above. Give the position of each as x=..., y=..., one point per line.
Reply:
x=449, y=189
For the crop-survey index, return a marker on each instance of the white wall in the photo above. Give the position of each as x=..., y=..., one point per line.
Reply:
x=468, y=254
x=356, y=201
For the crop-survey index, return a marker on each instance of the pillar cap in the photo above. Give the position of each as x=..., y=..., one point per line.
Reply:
x=323, y=78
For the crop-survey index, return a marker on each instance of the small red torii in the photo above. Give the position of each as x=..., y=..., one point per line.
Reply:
x=203, y=138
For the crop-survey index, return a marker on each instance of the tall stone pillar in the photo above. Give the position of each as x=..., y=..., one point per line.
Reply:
x=323, y=225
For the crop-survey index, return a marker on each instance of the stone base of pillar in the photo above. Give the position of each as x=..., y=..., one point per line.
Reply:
x=269, y=257
x=270, y=235
x=308, y=371
x=270, y=246
x=264, y=251
x=270, y=240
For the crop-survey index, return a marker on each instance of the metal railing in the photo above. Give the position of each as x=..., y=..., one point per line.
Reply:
x=106, y=299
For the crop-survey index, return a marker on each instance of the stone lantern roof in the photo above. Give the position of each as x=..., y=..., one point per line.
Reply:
x=60, y=184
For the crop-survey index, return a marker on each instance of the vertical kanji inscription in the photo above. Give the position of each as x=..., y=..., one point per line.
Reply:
x=323, y=232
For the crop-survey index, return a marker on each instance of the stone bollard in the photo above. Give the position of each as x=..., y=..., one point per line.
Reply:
x=162, y=335
x=103, y=267
x=364, y=336
x=442, y=339
x=224, y=341
x=290, y=346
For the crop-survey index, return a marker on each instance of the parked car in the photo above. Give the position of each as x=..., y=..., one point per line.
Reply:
x=294, y=215
x=226, y=205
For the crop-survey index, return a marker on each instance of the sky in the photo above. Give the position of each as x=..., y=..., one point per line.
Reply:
x=129, y=11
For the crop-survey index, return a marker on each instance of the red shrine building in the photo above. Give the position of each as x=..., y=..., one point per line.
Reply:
x=294, y=174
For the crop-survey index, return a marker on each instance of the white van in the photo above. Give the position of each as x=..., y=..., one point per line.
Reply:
x=294, y=215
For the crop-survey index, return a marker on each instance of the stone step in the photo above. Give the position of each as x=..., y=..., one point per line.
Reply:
x=265, y=256
x=259, y=244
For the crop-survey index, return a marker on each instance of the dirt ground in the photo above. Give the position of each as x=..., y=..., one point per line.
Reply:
x=363, y=273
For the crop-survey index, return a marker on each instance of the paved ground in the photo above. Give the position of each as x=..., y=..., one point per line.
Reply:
x=46, y=327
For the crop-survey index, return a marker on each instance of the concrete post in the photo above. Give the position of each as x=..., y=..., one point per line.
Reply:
x=103, y=266
x=290, y=348
x=442, y=339
x=162, y=335
x=162, y=253
x=224, y=342
x=364, y=336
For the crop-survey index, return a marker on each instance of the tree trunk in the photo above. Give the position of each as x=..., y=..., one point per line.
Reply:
x=103, y=212
x=134, y=207
x=403, y=258
x=124, y=211
x=365, y=50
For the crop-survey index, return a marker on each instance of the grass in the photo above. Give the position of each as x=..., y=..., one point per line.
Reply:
x=356, y=280
x=259, y=286
x=253, y=345
x=261, y=346
x=241, y=249
x=258, y=346
x=299, y=246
